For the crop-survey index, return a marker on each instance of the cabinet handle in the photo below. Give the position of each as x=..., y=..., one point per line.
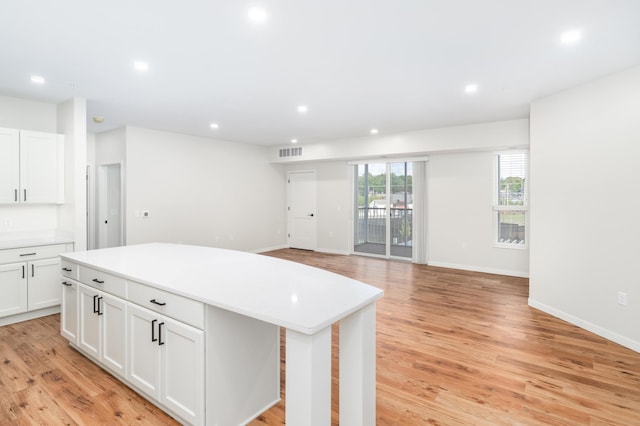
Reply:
x=95, y=280
x=66, y=269
x=66, y=283
x=160, y=342
x=99, y=309
x=33, y=270
x=22, y=271
x=155, y=302
x=95, y=309
x=15, y=195
x=27, y=254
x=153, y=330
x=25, y=195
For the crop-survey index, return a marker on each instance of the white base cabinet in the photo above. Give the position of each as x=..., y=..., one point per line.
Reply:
x=13, y=287
x=29, y=281
x=102, y=328
x=69, y=311
x=202, y=365
x=166, y=361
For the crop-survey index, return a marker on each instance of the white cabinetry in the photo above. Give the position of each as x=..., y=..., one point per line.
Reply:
x=166, y=361
x=102, y=332
x=13, y=287
x=29, y=280
x=9, y=165
x=69, y=311
x=31, y=167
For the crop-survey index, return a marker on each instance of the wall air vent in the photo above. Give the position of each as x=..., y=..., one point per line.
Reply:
x=290, y=152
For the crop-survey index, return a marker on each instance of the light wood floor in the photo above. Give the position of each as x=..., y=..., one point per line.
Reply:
x=453, y=348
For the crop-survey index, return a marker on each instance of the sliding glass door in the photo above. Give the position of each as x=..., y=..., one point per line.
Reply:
x=383, y=209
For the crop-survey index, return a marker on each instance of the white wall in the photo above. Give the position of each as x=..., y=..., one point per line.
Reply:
x=202, y=191
x=23, y=114
x=585, y=151
x=459, y=201
x=460, y=220
x=474, y=137
x=333, y=204
x=91, y=189
x=72, y=123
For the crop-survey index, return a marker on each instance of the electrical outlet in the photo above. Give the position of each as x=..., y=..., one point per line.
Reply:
x=622, y=298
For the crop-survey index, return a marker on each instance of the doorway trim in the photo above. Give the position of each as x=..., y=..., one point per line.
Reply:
x=102, y=212
x=306, y=218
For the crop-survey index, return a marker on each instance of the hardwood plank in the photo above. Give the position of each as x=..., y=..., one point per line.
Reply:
x=453, y=348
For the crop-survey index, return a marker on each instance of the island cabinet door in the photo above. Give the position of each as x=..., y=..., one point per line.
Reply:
x=144, y=356
x=114, y=331
x=69, y=311
x=183, y=370
x=89, y=335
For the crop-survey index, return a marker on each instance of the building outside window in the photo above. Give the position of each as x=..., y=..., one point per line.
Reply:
x=511, y=204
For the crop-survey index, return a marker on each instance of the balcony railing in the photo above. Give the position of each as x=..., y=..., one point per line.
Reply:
x=371, y=226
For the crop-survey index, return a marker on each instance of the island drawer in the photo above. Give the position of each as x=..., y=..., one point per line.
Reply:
x=103, y=281
x=32, y=253
x=69, y=269
x=172, y=305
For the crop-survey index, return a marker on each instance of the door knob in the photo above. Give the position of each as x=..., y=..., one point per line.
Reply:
x=311, y=214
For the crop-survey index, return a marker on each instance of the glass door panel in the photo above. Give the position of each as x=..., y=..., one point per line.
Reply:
x=384, y=206
x=401, y=210
x=370, y=212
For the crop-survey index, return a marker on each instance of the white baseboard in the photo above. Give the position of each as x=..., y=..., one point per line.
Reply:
x=329, y=251
x=508, y=272
x=266, y=249
x=600, y=331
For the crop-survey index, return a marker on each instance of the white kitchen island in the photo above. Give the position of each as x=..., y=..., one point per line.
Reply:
x=196, y=329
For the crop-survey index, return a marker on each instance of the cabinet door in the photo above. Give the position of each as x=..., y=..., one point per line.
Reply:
x=183, y=370
x=40, y=169
x=44, y=290
x=89, y=336
x=69, y=311
x=9, y=165
x=13, y=289
x=144, y=352
x=114, y=332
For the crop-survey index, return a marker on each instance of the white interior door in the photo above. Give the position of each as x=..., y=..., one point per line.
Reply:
x=110, y=206
x=301, y=210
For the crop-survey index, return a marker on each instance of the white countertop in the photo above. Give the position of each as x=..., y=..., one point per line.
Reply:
x=288, y=294
x=33, y=239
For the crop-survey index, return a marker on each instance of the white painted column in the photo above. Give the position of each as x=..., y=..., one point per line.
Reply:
x=358, y=368
x=308, y=378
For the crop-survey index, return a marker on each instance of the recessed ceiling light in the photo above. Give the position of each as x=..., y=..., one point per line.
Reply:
x=302, y=109
x=471, y=88
x=374, y=131
x=141, y=66
x=294, y=140
x=37, y=79
x=570, y=37
x=257, y=14
x=214, y=125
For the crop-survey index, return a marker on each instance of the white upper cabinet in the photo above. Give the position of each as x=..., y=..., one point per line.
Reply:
x=31, y=167
x=9, y=165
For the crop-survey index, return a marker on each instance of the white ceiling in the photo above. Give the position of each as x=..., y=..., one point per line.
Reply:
x=357, y=64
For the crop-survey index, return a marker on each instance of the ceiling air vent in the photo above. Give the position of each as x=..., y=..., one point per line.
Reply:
x=290, y=152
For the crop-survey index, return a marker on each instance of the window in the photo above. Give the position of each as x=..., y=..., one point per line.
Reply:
x=511, y=204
